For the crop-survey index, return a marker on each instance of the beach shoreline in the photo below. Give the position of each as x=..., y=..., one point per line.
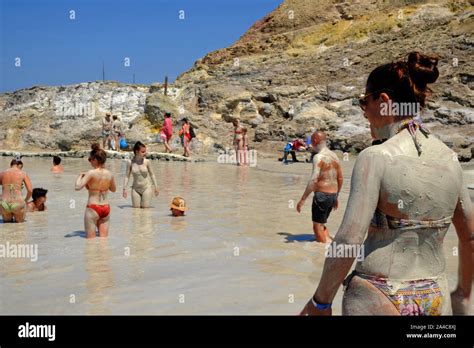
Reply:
x=265, y=157
x=110, y=154
x=231, y=254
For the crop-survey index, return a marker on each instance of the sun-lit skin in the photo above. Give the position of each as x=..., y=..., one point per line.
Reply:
x=326, y=177
x=11, y=181
x=98, y=182
x=142, y=191
x=184, y=132
x=430, y=187
x=57, y=169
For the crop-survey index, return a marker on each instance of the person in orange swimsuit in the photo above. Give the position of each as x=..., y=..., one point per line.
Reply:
x=98, y=182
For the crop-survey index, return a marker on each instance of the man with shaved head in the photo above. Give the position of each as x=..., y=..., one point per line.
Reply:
x=325, y=182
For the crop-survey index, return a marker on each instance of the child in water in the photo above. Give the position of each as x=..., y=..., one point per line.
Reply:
x=178, y=206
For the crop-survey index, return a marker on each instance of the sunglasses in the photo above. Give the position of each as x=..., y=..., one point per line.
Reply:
x=363, y=101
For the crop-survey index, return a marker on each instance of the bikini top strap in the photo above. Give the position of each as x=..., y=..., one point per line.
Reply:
x=411, y=125
x=101, y=193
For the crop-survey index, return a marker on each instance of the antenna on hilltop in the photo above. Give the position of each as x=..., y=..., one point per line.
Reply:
x=103, y=71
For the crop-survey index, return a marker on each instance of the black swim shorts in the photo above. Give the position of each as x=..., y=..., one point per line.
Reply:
x=322, y=206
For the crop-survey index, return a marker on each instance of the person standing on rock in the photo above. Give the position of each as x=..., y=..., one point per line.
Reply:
x=326, y=183
x=185, y=133
x=12, y=205
x=167, y=132
x=404, y=195
x=98, y=182
x=140, y=168
x=106, y=131
x=117, y=127
x=238, y=139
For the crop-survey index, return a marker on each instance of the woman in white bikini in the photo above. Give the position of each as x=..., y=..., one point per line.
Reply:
x=140, y=168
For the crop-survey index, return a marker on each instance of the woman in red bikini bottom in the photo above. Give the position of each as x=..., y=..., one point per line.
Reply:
x=98, y=182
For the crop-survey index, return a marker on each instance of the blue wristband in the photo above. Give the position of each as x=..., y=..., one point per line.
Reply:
x=320, y=305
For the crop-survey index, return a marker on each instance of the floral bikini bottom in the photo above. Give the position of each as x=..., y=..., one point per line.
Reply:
x=413, y=297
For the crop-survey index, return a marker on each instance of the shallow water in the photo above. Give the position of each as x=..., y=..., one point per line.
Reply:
x=241, y=249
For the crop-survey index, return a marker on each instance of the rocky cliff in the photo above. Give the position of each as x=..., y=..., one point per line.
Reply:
x=296, y=70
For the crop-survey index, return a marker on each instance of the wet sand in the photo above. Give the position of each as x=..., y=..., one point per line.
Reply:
x=241, y=249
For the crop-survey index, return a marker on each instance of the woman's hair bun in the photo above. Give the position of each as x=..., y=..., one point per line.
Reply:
x=95, y=147
x=423, y=69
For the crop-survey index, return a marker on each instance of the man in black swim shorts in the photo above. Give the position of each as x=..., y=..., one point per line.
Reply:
x=325, y=182
x=322, y=206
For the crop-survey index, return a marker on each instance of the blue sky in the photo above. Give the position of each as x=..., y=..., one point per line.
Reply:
x=56, y=50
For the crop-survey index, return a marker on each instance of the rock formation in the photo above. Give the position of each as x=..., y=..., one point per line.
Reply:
x=298, y=69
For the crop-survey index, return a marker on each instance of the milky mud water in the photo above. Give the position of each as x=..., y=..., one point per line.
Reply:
x=241, y=248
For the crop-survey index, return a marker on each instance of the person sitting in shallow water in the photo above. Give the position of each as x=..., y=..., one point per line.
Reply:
x=57, y=167
x=39, y=200
x=404, y=194
x=178, y=206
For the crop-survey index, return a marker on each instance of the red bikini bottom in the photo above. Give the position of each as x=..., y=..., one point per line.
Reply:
x=101, y=210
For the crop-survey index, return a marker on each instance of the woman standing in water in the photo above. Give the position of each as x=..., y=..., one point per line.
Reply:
x=404, y=192
x=12, y=205
x=140, y=167
x=98, y=182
